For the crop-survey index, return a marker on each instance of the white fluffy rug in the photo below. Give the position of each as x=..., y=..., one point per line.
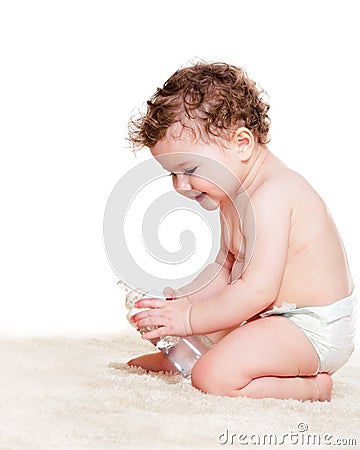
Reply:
x=64, y=393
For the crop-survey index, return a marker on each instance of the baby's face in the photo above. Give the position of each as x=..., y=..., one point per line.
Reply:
x=204, y=172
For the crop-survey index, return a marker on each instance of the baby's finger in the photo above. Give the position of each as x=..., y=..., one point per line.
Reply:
x=150, y=321
x=145, y=314
x=153, y=334
x=149, y=303
x=169, y=293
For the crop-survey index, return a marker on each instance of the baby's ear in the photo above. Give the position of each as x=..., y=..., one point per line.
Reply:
x=244, y=142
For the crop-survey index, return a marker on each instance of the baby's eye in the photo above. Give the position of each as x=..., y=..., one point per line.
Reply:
x=190, y=171
x=186, y=172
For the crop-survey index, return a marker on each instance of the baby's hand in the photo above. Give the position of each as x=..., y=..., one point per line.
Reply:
x=172, y=318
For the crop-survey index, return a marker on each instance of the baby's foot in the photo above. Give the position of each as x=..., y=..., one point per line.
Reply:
x=155, y=362
x=324, y=384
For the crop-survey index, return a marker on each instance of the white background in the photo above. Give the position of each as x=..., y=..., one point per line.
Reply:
x=72, y=72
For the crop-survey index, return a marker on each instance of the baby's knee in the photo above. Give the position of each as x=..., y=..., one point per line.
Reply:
x=206, y=376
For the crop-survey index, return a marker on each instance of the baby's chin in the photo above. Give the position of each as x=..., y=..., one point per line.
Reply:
x=206, y=202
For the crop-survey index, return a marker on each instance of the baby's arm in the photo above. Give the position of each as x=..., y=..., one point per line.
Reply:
x=265, y=264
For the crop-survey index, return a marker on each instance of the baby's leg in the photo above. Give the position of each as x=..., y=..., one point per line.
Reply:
x=156, y=362
x=268, y=357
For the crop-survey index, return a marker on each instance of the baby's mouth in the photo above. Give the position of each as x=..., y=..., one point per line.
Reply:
x=200, y=197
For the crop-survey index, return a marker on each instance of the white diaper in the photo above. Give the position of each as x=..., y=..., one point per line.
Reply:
x=330, y=328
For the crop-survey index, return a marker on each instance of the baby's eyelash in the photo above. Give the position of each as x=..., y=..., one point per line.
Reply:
x=186, y=172
x=190, y=171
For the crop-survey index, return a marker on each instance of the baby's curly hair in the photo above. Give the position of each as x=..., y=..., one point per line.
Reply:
x=210, y=99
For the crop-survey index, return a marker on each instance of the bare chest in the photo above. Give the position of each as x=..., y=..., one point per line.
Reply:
x=235, y=243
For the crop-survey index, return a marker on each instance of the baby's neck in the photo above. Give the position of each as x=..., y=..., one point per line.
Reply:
x=256, y=169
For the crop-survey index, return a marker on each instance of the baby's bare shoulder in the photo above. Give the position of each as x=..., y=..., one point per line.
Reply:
x=286, y=185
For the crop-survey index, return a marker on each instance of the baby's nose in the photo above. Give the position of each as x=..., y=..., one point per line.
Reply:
x=182, y=183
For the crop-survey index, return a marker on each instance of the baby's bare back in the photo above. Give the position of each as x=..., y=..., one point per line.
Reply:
x=316, y=271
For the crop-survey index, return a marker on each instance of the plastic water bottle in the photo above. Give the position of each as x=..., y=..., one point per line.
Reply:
x=182, y=352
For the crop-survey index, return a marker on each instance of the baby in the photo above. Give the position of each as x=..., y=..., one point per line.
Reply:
x=278, y=300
